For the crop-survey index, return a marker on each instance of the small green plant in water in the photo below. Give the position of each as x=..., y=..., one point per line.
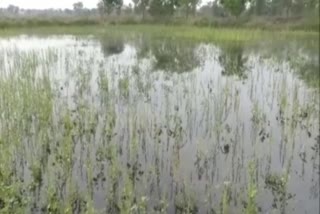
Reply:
x=278, y=186
x=124, y=86
x=252, y=191
x=226, y=199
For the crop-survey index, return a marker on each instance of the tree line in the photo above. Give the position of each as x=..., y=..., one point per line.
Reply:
x=233, y=8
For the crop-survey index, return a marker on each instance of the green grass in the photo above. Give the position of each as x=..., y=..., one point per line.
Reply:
x=205, y=34
x=51, y=30
x=211, y=34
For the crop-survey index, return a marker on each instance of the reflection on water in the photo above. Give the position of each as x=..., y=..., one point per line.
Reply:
x=168, y=55
x=307, y=67
x=233, y=61
x=158, y=126
x=303, y=57
x=112, y=46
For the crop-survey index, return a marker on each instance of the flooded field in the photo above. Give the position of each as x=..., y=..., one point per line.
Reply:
x=142, y=125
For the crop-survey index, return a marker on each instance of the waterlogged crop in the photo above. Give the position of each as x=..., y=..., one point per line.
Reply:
x=146, y=125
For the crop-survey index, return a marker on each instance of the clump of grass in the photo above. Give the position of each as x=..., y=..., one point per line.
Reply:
x=278, y=186
x=53, y=201
x=124, y=86
x=252, y=191
x=226, y=199
x=185, y=203
x=209, y=34
x=36, y=173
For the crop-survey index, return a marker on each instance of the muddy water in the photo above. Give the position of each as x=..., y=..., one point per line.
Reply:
x=174, y=125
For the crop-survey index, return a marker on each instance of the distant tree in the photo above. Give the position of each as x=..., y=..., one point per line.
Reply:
x=118, y=4
x=235, y=7
x=13, y=9
x=140, y=7
x=101, y=8
x=206, y=9
x=130, y=7
x=298, y=7
x=313, y=4
x=157, y=8
x=78, y=6
x=287, y=5
x=161, y=8
x=273, y=7
x=189, y=6
x=136, y=6
x=218, y=10
x=143, y=5
x=279, y=7
x=68, y=11
x=212, y=9
x=110, y=5
x=127, y=9
x=258, y=6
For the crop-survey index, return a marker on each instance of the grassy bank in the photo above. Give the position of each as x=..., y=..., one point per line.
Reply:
x=211, y=33
x=205, y=34
x=310, y=23
x=12, y=22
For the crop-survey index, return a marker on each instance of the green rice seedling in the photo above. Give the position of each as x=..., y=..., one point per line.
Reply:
x=113, y=173
x=278, y=186
x=36, y=173
x=283, y=98
x=66, y=149
x=75, y=202
x=103, y=83
x=226, y=199
x=185, y=202
x=90, y=207
x=53, y=201
x=162, y=205
x=127, y=204
x=221, y=110
x=257, y=115
x=295, y=110
x=252, y=191
x=124, y=86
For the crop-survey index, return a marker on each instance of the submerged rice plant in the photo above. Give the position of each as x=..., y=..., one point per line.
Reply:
x=98, y=126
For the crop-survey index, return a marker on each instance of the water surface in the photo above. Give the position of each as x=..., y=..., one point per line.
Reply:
x=146, y=125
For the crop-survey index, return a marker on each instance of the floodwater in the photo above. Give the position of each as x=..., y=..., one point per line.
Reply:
x=143, y=125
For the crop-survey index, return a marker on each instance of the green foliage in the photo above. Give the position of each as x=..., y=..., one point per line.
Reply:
x=259, y=7
x=235, y=7
x=140, y=6
x=189, y=6
x=252, y=191
x=110, y=5
x=162, y=8
x=78, y=6
x=278, y=186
